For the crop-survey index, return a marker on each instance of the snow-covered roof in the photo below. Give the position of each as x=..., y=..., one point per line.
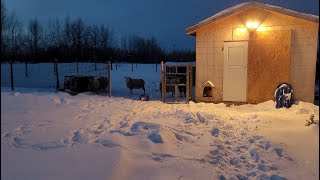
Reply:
x=244, y=6
x=180, y=63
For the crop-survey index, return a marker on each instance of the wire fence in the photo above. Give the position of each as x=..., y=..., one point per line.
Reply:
x=44, y=75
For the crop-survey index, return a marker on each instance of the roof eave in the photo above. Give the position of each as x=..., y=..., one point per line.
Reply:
x=242, y=7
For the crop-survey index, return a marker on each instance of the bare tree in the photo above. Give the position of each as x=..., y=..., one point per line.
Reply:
x=67, y=37
x=94, y=39
x=3, y=28
x=12, y=30
x=104, y=37
x=124, y=43
x=86, y=46
x=54, y=33
x=77, y=33
x=34, y=34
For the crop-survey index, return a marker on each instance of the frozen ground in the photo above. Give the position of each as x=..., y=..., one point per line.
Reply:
x=48, y=135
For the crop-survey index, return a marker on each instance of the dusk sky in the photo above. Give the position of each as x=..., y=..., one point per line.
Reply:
x=166, y=20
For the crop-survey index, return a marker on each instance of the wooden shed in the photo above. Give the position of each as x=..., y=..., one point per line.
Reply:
x=247, y=50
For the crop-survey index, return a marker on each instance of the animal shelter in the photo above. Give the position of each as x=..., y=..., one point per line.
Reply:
x=176, y=78
x=88, y=80
x=245, y=52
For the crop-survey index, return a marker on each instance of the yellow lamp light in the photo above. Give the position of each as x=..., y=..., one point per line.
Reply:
x=262, y=28
x=241, y=29
x=252, y=25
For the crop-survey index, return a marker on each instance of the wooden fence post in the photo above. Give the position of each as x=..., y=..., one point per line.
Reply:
x=176, y=92
x=163, y=82
x=77, y=68
x=187, y=83
x=57, y=74
x=26, y=67
x=54, y=67
x=11, y=73
x=191, y=82
x=109, y=78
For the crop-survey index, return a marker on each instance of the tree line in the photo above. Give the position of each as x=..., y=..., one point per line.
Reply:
x=71, y=40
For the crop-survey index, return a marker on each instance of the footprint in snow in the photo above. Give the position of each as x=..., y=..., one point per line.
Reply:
x=254, y=154
x=7, y=134
x=215, y=132
x=201, y=118
x=266, y=168
x=279, y=151
x=20, y=143
x=159, y=157
x=106, y=143
x=79, y=136
x=234, y=161
x=272, y=177
x=180, y=137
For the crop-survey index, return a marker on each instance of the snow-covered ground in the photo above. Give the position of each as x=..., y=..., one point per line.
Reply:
x=48, y=135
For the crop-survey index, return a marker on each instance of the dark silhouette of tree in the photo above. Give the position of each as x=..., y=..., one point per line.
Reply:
x=71, y=40
x=77, y=34
x=34, y=34
x=4, y=19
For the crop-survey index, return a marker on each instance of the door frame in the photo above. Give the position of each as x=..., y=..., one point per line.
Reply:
x=225, y=51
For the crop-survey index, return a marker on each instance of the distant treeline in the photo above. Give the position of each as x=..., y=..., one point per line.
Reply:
x=71, y=40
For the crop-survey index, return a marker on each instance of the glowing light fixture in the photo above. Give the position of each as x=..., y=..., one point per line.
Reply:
x=241, y=29
x=252, y=25
x=262, y=28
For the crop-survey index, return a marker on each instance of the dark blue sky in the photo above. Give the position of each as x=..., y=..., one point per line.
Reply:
x=166, y=20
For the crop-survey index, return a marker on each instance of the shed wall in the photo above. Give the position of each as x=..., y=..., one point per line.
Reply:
x=210, y=58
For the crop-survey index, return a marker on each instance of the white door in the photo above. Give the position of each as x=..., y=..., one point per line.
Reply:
x=235, y=71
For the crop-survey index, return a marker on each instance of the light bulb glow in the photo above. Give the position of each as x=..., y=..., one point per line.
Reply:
x=242, y=30
x=252, y=25
x=261, y=28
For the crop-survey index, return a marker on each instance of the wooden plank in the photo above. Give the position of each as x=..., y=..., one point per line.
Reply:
x=176, y=84
x=176, y=92
x=176, y=73
x=178, y=65
x=268, y=63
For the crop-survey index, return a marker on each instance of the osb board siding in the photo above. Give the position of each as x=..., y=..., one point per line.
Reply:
x=268, y=63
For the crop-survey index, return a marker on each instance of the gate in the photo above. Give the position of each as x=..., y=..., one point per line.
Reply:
x=176, y=78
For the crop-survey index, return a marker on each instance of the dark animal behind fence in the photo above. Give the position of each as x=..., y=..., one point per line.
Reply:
x=98, y=84
x=135, y=84
x=176, y=80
